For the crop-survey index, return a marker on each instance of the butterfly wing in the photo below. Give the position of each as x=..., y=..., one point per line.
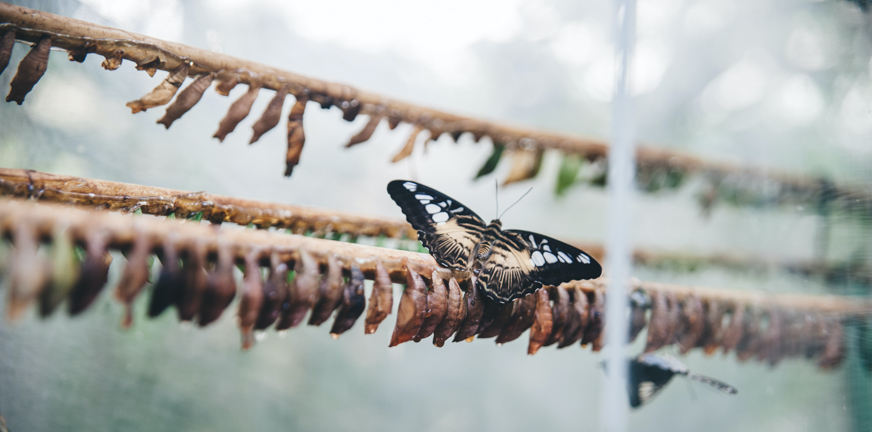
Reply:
x=509, y=272
x=645, y=380
x=556, y=262
x=447, y=228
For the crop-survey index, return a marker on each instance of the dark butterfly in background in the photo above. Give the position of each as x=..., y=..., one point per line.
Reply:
x=649, y=373
x=505, y=265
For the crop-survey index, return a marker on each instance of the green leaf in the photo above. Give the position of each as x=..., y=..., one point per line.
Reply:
x=196, y=217
x=171, y=215
x=491, y=163
x=138, y=211
x=569, y=169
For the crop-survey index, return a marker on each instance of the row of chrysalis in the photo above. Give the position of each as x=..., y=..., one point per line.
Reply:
x=767, y=333
x=201, y=285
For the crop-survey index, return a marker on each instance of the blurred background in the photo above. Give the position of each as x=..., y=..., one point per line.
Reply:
x=781, y=85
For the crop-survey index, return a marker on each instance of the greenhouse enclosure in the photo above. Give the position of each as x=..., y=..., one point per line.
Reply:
x=227, y=215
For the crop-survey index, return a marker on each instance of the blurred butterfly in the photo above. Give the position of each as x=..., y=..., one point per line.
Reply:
x=505, y=265
x=649, y=373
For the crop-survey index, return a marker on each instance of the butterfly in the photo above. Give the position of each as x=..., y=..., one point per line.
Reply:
x=649, y=373
x=504, y=264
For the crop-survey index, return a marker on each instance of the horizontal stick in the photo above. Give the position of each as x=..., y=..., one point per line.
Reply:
x=299, y=219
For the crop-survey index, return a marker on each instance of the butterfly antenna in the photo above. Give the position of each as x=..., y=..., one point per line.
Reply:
x=497, y=196
x=715, y=384
x=513, y=204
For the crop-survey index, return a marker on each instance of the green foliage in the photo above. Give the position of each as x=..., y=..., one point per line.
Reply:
x=569, y=169
x=491, y=163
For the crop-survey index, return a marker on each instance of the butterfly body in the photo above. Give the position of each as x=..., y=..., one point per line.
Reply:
x=504, y=264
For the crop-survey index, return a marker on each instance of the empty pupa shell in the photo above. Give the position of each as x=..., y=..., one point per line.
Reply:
x=194, y=274
x=64, y=271
x=113, y=61
x=275, y=293
x=251, y=299
x=134, y=276
x=380, y=300
x=238, y=111
x=474, y=310
x=658, y=325
x=366, y=132
x=524, y=165
x=394, y=121
x=714, y=331
x=169, y=283
x=224, y=87
x=750, y=342
x=186, y=100
x=542, y=322
x=596, y=320
x=522, y=318
x=28, y=271
x=692, y=324
x=163, y=93
x=407, y=149
x=271, y=115
x=834, y=348
x=502, y=315
x=733, y=332
x=770, y=348
x=296, y=135
x=7, y=41
x=559, y=314
x=453, y=317
x=30, y=70
x=304, y=292
x=329, y=293
x=578, y=318
x=220, y=287
x=412, y=309
x=437, y=305
x=353, y=303
x=150, y=67
x=93, y=274
x=350, y=109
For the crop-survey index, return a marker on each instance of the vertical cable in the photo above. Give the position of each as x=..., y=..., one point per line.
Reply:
x=620, y=190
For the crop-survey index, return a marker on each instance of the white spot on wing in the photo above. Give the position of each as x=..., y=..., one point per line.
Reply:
x=457, y=210
x=563, y=257
x=440, y=217
x=412, y=187
x=583, y=258
x=538, y=259
x=423, y=197
x=646, y=390
x=432, y=208
x=545, y=247
x=550, y=257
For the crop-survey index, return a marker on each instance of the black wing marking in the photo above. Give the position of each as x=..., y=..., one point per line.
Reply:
x=447, y=228
x=645, y=380
x=555, y=262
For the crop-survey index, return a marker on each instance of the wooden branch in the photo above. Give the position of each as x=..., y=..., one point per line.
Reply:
x=150, y=54
x=217, y=208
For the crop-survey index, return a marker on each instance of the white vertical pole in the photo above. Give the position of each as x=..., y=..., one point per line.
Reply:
x=615, y=406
